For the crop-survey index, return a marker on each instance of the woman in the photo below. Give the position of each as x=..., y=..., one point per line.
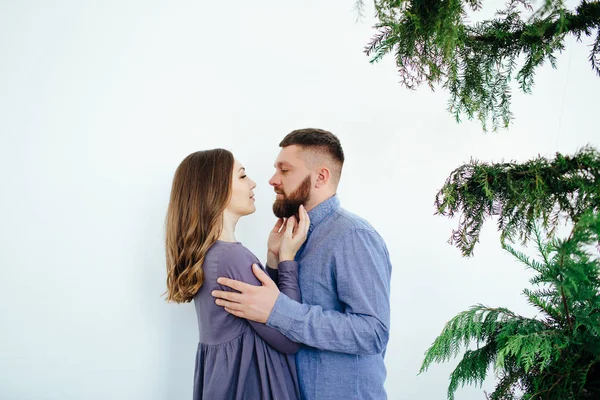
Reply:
x=236, y=358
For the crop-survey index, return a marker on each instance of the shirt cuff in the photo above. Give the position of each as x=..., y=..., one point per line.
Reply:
x=283, y=313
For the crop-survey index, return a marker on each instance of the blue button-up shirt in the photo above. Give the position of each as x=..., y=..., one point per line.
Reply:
x=344, y=318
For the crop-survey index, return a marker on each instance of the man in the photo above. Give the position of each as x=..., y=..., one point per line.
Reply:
x=344, y=277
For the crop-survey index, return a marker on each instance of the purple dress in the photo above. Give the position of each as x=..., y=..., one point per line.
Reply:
x=237, y=358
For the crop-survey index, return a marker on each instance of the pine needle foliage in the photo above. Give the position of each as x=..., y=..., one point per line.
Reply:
x=555, y=356
x=433, y=43
x=519, y=195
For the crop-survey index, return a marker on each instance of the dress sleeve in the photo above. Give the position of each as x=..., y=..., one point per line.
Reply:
x=273, y=273
x=237, y=264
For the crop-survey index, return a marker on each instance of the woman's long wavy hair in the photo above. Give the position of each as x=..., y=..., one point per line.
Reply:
x=200, y=193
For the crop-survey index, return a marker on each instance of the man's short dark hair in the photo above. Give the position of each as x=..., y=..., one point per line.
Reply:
x=316, y=139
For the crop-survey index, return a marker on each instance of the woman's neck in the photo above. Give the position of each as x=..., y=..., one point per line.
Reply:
x=229, y=223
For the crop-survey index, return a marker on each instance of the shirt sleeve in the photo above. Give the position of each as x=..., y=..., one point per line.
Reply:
x=362, y=271
x=238, y=265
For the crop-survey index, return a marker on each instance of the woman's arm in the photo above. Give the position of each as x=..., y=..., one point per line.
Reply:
x=238, y=265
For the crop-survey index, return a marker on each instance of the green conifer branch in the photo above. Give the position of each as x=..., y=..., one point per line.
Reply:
x=554, y=356
x=432, y=44
x=519, y=195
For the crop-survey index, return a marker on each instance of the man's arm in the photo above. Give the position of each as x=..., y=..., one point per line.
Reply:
x=362, y=269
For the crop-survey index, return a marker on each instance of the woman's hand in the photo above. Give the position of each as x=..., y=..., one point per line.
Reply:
x=274, y=243
x=294, y=235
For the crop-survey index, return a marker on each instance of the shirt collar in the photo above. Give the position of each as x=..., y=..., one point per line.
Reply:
x=322, y=210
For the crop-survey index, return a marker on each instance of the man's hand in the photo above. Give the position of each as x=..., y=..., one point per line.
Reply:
x=252, y=302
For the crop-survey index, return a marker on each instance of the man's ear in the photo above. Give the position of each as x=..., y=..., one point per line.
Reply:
x=323, y=176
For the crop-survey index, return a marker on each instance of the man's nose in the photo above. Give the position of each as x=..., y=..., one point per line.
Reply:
x=274, y=181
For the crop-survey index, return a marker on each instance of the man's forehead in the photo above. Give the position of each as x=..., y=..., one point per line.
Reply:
x=288, y=156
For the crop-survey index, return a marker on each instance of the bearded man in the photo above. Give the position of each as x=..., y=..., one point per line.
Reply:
x=344, y=278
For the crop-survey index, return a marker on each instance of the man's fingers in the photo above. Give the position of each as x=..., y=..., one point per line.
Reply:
x=231, y=296
x=234, y=312
x=262, y=276
x=236, y=285
x=228, y=304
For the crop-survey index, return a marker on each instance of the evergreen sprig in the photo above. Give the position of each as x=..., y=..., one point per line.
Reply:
x=432, y=44
x=554, y=356
x=548, y=191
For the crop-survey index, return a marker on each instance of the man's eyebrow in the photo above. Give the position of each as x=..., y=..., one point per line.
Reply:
x=281, y=163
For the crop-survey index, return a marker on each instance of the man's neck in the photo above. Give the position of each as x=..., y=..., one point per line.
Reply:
x=314, y=202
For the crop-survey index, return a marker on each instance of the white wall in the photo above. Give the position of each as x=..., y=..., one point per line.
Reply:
x=100, y=101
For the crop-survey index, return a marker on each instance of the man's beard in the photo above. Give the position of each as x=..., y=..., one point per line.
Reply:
x=289, y=205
